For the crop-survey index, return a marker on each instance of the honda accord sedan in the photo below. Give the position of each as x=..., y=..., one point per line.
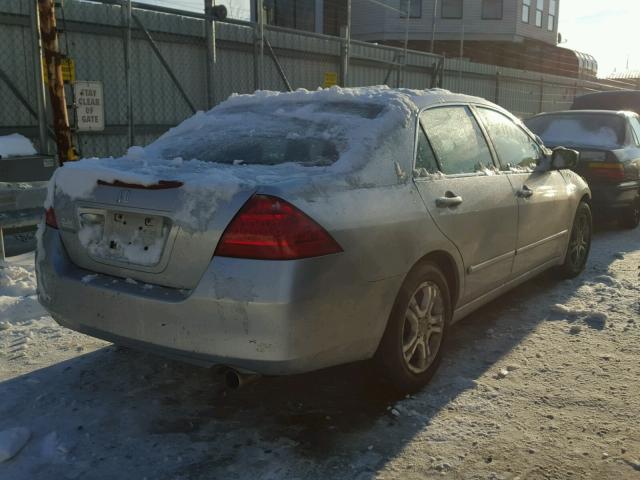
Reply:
x=609, y=146
x=287, y=232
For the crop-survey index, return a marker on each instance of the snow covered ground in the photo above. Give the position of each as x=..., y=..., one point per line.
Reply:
x=544, y=383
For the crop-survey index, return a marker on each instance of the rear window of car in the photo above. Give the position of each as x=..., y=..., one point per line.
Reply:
x=306, y=133
x=583, y=130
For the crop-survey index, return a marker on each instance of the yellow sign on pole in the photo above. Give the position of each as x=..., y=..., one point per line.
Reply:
x=330, y=79
x=68, y=70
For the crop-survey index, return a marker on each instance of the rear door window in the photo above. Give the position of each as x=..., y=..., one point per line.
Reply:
x=457, y=140
x=514, y=147
x=425, y=158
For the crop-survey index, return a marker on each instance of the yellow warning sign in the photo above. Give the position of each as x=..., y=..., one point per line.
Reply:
x=68, y=70
x=330, y=79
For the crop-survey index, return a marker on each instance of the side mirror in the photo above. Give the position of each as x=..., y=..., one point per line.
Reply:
x=564, y=158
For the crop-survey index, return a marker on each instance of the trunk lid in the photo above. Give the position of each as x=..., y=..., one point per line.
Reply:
x=146, y=234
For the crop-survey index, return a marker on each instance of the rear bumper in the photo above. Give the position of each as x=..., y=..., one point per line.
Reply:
x=267, y=317
x=615, y=197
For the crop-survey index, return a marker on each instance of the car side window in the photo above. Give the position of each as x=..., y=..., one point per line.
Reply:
x=514, y=147
x=635, y=127
x=456, y=139
x=425, y=158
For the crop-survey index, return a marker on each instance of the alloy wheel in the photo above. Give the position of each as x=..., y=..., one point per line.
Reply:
x=423, y=327
x=580, y=240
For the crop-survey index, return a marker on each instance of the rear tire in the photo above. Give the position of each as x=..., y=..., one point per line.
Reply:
x=630, y=217
x=579, y=243
x=411, y=348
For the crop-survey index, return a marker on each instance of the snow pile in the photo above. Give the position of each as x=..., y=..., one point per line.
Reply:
x=18, y=300
x=16, y=281
x=15, y=145
x=254, y=139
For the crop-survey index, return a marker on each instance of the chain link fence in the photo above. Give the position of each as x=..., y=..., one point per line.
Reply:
x=157, y=66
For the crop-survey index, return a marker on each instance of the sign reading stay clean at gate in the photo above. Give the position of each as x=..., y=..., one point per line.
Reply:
x=89, y=103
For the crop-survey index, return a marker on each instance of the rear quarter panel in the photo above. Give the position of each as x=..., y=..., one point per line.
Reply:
x=384, y=232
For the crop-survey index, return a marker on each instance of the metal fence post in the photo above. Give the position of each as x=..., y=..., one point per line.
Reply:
x=541, y=105
x=258, y=48
x=496, y=96
x=126, y=23
x=346, y=49
x=210, y=39
x=39, y=78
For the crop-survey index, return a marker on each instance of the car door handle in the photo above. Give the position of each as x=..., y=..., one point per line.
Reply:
x=524, y=192
x=450, y=199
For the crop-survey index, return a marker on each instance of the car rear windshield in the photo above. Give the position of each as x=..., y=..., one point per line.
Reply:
x=583, y=130
x=307, y=133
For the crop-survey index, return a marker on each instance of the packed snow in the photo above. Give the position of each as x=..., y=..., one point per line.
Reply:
x=15, y=145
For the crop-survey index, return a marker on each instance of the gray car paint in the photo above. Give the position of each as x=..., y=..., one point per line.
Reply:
x=281, y=317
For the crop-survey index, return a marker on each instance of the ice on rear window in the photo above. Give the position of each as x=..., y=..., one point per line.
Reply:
x=307, y=132
x=597, y=130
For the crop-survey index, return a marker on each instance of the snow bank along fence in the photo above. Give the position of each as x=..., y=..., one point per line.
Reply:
x=147, y=68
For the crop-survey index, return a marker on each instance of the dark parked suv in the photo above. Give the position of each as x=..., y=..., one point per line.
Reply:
x=609, y=146
x=618, y=100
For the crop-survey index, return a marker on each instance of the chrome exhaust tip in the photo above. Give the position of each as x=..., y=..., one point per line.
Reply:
x=234, y=379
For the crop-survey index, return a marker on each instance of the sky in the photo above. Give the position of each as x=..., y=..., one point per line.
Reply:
x=604, y=29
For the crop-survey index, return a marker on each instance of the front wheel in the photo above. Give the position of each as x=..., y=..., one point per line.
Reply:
x=579, y=243
x=411, y=348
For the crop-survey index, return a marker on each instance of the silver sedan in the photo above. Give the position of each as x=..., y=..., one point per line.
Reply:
x=338, y=226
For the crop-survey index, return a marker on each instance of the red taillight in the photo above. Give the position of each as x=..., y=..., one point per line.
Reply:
x=610, y=172
x=269, y=228
x=50, y=218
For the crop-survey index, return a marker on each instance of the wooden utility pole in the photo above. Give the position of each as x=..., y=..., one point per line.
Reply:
x=53, y=63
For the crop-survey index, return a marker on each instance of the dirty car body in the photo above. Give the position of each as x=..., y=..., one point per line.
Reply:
x=359, y=169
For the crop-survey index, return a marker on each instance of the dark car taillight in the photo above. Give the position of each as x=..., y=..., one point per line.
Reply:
x=606, y=171
x=269, y=228
x=50, y=218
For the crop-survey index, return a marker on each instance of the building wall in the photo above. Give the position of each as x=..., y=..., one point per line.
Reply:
x=530, y=30
x=373, y=22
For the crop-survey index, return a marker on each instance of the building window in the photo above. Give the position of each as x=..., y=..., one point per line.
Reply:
x=526, y=10
x=414, y=7
x=451, y=9
x=551, y=22
x=298, y=14
x=492, y=9
x=539, y=10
